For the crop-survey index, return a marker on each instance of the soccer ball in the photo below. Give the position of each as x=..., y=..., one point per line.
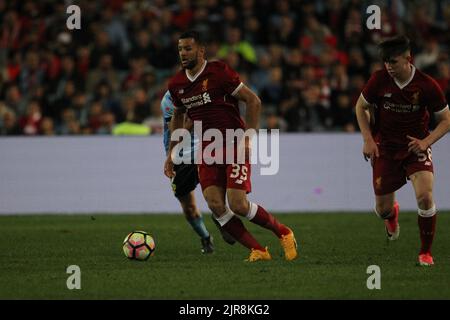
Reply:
x=138, y=245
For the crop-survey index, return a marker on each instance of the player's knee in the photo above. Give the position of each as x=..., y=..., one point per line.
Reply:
x=425, y=200
x=383, y=210
x=239, y=206
x=190, y=211
x=216, y=206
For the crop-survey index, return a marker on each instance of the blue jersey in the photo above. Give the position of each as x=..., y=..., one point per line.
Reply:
x=167, y=108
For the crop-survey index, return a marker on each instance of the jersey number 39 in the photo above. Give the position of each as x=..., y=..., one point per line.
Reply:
x=239, y=171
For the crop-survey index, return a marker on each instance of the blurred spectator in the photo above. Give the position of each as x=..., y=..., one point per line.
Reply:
x=339, y=79
x=80, y=102
x=272, y=92
x=31, y=121
x=357, y=63
x=105, y=94
x=104, y=73
x=107, y=123
x=343, y=114
x=316, y=33
x=272, y=121
x=260, y=78
x=68, y=72
x=292, y=67
x=200, y=20
x=285, y=33
x=163, y=42
x=14, y=99
x=182, y=14
x=103, y=47
x=133, y=123
x=69, y=124
x=235, y=43
x=10, y=126
x=11, y=29
x=31, y=75
x=65, y=101
x=135, y=76
x=155, y=120
x=142, y=101
x=47, y=127
x=149, y=82
x=354, y=26
x=443, y=76
x=95, y=116
x=83, y=61
x=141, y=46
x=128, y=107
x=13, y=66
x=429, y=56
x=315, y=115
x=115, y=28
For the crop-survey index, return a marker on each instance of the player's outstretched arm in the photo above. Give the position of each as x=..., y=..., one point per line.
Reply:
x=176, y=122
x=443, y=126
x=370, y=149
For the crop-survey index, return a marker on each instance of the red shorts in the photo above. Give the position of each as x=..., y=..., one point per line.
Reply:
x=227, y=176
x=392, y=169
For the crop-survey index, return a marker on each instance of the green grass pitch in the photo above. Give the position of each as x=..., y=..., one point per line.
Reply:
x=335, y=251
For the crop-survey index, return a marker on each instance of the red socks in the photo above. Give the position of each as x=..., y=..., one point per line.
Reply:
x=427, y=227
x=261, y=217
x=258, y=215
x=237, y=230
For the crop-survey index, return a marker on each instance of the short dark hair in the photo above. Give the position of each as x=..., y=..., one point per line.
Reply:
x=194, y=35
x=394, y=47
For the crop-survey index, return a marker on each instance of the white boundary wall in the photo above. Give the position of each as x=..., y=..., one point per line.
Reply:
x=318, y=172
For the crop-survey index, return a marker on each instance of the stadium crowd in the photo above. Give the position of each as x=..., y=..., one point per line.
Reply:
x=307, y=60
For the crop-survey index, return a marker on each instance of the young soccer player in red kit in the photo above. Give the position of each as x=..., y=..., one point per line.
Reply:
x=393, y=113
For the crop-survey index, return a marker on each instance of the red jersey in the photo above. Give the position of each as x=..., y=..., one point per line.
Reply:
x=402, y=109
x=209, y=96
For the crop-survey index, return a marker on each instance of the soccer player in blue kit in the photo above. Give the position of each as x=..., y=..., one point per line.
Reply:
x=185, y=182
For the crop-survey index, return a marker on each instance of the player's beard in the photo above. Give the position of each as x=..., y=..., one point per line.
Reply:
x=192, y=63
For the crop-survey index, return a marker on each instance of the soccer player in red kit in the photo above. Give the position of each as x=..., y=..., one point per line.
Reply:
x=210, y=91
x=393, y=113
